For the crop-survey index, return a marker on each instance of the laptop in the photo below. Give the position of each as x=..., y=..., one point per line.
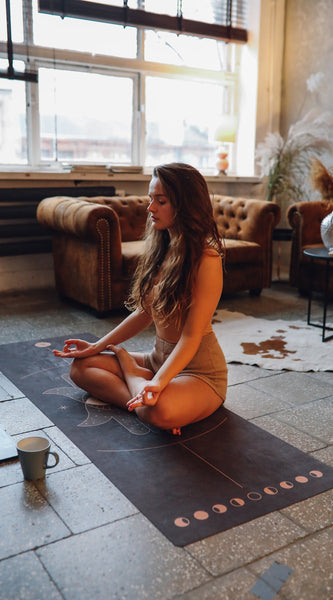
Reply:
x=7, y=446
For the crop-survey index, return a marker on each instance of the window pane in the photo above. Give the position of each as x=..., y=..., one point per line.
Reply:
x=84, y=35
x=13, y=128
x=211, y=11
x=181, y=122
x=16, y=20
x=85, y=117
x=163, y=7
x=186, y=50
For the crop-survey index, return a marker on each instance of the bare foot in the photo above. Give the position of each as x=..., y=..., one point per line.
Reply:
x=176, y=431
x=134, y=374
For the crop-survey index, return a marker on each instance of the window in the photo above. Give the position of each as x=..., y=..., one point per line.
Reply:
x=114, y=94
x=85, y=127
x=13, y=132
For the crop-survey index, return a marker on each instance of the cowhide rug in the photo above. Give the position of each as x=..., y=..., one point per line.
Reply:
x=276, y=345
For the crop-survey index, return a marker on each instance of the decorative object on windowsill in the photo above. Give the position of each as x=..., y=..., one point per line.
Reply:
x=322, y=181
x=285, y=162
x=225, y=134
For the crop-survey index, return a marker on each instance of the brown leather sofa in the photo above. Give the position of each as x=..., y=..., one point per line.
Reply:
x=96, y=244
x=305, y=219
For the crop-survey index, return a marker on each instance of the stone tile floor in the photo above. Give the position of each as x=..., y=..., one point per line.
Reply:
x=74, y=536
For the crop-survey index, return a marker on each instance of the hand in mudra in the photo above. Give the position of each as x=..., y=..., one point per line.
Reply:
x=76, y=349
x=148, y=396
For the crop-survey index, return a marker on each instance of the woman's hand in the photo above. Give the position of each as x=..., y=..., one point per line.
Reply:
x=148, y=396
x=77, y=349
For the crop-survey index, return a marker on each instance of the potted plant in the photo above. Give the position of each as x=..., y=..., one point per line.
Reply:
x=285, y=162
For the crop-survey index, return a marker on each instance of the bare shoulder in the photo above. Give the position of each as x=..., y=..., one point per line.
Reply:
x=210, y=256
x=210, y=265
x=211, y=252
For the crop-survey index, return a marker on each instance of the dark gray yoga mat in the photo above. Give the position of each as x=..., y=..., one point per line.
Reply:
x=219, y=473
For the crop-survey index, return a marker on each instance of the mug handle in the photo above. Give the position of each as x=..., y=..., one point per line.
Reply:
x=56, y=456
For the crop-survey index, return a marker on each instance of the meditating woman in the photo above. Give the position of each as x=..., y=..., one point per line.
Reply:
x=177, y=286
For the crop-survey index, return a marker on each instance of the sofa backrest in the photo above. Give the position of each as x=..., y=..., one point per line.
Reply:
x=244, y=218
x=131, y=211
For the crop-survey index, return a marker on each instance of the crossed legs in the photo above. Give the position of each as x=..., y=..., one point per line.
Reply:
x=116, y=378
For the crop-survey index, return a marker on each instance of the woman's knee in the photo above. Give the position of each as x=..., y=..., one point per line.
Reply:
x=77, y=367
x=159, y=415
x=75, y=370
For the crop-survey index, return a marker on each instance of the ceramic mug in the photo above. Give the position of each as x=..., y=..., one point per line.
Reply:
x=33, y=453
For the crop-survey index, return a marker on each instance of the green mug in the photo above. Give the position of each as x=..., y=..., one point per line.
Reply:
x=33, y=453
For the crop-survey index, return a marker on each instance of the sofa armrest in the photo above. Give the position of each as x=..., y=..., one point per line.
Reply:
x=305, y=219
x=85, y=220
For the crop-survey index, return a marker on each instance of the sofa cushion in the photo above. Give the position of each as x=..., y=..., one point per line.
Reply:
x=241, y=252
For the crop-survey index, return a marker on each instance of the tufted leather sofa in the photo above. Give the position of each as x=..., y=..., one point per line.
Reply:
x=305, y=219
x=96, y=244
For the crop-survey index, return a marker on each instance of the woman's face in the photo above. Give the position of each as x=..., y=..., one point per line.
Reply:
x=161, y=211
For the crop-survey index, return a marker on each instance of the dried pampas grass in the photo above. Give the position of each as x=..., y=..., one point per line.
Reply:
x=322, y=179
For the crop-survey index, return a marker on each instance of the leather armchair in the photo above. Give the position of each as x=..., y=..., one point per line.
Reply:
x=97, y=242
x=305, y=219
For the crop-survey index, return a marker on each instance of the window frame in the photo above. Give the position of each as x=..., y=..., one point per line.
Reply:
x=137, y=69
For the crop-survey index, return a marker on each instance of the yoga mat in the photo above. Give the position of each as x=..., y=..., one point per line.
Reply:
x=221, y=472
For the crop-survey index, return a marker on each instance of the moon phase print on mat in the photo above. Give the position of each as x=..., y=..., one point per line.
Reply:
x=286, y=485
x=301, y=479
x=270, y=490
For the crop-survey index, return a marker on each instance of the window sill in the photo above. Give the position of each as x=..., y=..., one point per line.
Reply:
x=26, y=175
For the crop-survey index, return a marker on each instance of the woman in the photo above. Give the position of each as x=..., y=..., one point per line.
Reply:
x=178, y=284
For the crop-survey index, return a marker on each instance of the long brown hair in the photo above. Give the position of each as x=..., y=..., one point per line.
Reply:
x=194, y=229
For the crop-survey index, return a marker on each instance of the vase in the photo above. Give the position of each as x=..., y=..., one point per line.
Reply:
x=326, y=232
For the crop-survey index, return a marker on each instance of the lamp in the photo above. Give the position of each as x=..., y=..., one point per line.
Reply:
x=225, y=134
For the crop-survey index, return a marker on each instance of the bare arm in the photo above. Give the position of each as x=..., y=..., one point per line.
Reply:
x=128, y=328
x=207, y=293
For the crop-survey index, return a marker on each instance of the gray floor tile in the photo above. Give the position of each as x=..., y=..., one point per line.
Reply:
x=27, y=520
x=84, y=498
x=315, y=418
x=241, y=545
x=325, y=455
x=24, y=578
x=250, y=403
x=295, y=388
x=8, y=390
x=10, y=472
x=289, y=434
x=312, y=514
x=68, y=448
x=311, y=561
x=242, y=373
x=21, y=416
x=323, y=376
x=128, y=560
x=234, y=586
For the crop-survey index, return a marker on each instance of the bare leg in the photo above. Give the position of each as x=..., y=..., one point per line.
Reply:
x=185, y=399
x=134, y=375
x=102, y=377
